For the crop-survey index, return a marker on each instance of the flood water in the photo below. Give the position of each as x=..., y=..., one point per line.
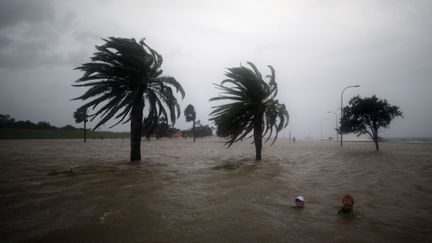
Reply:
x=175, y=195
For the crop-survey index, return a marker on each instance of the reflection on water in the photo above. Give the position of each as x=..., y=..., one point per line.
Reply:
x=175, y=195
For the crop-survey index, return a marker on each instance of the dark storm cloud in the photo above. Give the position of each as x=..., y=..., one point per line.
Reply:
x=316, y=47
x=19, y=14
x=4, y=41
x=29, y=54
x=13, y=12
x=26, y=53
x=31, y=35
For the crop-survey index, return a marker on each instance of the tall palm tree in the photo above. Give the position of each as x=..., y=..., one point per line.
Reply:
x=253, y=107
x=190, y=116
x=80, y=115
x=124, y=77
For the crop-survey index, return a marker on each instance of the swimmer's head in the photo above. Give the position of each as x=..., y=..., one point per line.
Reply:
x=299, y=201
x=348, y=201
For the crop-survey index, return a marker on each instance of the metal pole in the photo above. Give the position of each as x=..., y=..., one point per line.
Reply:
x=336, y=126
x=351, y=86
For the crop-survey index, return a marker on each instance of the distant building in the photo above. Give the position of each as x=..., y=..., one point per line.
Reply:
x=178, y=134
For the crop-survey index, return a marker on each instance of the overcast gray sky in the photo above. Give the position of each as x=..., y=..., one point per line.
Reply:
x=317, y=48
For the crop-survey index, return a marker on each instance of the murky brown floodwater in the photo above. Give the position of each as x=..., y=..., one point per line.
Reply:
x=175, y=196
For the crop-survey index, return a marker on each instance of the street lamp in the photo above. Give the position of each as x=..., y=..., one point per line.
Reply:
x=336, y=126
x=351, y=86
x=321, y=127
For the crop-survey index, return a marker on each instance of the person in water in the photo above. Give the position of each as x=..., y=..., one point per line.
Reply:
x=299, y=202
x=347, y=209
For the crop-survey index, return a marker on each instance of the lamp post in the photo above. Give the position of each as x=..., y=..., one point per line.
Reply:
x=336, y=126
x=351, y=86
x=321, y=127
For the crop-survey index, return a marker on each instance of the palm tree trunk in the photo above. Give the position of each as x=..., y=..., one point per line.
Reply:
x=85, y=131
x=193, y=131
x=258, y=135
x=136, y=128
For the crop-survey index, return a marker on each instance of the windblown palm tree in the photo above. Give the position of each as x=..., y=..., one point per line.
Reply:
x=124, y=77
x=80, y=115
x=190, y=116
x=253, y=107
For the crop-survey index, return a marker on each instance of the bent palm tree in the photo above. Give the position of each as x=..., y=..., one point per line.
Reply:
x=80, y=115
x=125, y=76
x=253, y=107
x=190, y=116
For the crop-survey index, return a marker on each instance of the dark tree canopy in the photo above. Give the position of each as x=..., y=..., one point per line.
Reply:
x=159, y=129
x=7, y=121
x=190, y=113
x=367, y=115
x=252, y=107
x=203, y=131
x=123, y=77
x=80, y=115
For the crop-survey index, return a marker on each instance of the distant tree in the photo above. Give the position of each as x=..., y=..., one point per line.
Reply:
x=6, y=121
x=158, y=128
x=367, y=115
x=169, y=133
x=200, y=131
x=44, y=125
x=253, y=107
x=190, y=116
x=149, y=126
x=162, y=129
x=203, y=131
x=68, y=127
x=24, y=125
x=125, y=76
x=81, y=115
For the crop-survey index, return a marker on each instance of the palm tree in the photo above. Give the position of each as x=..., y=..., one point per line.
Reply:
x=125, y=77
x=190, y=116
x=80, y=115
x=253, y=107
